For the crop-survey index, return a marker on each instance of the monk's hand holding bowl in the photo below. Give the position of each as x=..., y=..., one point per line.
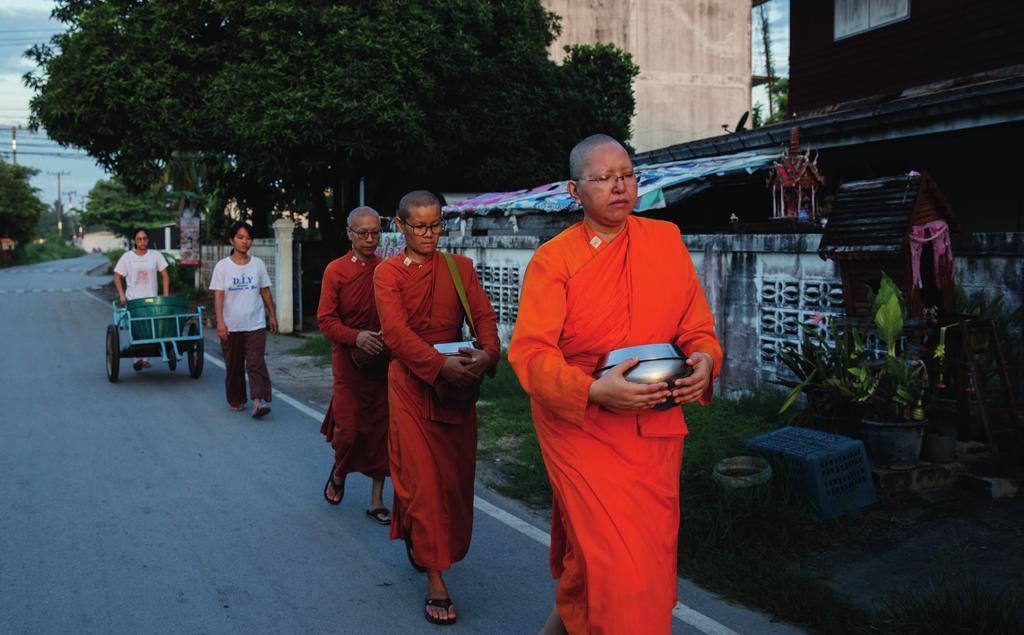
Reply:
x=369, y=342
x=614, y=391
x=457, y=371
x=690, y=389
x=481, y=361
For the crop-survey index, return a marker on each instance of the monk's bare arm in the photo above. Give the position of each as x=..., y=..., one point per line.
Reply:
x=696, y=334
x=328, y=310
x=534, y=354
x=406, y=346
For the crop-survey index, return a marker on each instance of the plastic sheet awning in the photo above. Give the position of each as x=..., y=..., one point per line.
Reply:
x=659, y=184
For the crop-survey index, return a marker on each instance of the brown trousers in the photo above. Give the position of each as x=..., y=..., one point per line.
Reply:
x=243, y=353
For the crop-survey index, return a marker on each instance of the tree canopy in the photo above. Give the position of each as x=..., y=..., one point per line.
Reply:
x=20, y=205
x=301, y=98
x=113, y=207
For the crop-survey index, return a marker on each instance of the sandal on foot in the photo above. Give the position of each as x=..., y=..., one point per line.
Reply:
x=339, y=488
x=408, y=552
x=260, y=411
x=138, y=365
x=238, y=408
x=444, y=604
x=380, y=514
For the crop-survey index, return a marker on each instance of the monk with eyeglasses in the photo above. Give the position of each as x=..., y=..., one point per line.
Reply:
x=356, y=424
x=611, y=281
x=432, y=434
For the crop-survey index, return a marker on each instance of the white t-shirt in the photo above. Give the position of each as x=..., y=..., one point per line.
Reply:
x=241, y=284
x=140, y=272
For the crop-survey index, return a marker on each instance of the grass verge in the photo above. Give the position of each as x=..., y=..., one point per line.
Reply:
x=49, y=249
x=318, y=347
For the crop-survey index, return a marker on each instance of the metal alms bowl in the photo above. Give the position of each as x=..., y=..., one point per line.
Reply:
x=658, y=362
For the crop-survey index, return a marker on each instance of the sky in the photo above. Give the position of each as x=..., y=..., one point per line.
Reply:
x=23, y=23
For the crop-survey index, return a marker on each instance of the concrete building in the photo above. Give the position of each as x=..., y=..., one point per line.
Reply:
x=694, y=59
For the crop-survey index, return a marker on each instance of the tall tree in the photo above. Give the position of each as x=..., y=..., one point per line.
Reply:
x=113, y=207
x=20, y=205
x=305, y=97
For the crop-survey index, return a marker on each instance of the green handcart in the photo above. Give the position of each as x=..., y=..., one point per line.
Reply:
x=160, y=326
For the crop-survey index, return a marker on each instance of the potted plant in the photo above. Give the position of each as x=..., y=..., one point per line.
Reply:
x=825, y=367
x=894, y=388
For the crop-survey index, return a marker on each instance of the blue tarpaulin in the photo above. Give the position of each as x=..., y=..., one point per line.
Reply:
x=654, y=181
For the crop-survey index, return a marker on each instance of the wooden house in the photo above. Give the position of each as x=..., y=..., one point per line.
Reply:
x=900, y=225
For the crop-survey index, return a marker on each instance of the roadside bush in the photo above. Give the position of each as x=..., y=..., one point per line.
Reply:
x=45, y=251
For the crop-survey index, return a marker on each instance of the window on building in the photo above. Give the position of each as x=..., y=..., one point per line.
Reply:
x=857, y=16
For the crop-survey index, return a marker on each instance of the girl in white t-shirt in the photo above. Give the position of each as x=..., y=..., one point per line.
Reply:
x=139, y=269
x=242, y=301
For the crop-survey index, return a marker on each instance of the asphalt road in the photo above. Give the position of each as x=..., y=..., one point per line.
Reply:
x=146, y=506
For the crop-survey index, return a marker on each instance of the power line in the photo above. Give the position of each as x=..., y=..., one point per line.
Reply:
x=56, y=155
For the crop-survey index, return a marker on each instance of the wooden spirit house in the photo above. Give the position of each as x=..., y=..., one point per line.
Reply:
x=900, y=225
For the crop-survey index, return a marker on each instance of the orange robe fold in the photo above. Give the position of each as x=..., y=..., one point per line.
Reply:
x=614, y=475
x=356, y=424
x=431, y=447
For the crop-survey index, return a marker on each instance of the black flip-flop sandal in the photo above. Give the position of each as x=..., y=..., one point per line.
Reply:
x=408, y=552
x=444, y=604
x=260, y=411
x=336, y=486
x=380, y=514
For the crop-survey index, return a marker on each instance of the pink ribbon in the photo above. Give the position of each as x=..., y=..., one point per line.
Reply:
x=937, y=233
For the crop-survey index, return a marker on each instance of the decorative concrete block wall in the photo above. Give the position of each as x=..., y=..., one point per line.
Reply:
x=761, y=287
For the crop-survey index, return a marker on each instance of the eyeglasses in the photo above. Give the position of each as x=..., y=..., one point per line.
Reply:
x=610, y=180
x=423, y=230
x=364, y=234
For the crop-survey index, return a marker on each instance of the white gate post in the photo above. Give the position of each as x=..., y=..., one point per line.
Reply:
x=283, y=229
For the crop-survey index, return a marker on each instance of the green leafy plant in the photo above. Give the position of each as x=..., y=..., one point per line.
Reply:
x=894, y=386
x=827, y=367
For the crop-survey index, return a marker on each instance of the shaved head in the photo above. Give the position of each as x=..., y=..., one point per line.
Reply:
x=416, y=198
x=359, y=212
x=581, y=153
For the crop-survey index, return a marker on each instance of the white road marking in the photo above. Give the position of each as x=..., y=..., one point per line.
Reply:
x=681, y=612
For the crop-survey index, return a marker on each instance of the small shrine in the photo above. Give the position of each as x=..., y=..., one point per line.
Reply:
x=794, y=182
x=900, y=225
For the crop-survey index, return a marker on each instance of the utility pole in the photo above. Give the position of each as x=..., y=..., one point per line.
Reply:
x=14, y=145
x=60, y=205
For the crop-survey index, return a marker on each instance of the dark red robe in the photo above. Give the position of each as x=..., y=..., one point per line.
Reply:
x=432, y=447
x=356, y=424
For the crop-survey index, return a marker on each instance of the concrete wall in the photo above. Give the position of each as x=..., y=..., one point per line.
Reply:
x=762, y=287
x=694, y=59
x=103, y=241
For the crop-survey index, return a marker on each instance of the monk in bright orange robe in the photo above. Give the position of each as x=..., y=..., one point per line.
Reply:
x=356, y=424
x=432, y=445
x=611, y=281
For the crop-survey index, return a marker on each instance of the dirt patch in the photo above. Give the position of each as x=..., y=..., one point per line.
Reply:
x=948, y=536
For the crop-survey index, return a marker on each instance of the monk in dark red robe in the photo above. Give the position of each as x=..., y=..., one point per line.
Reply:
x=432, y=443
x=611, y=281
x=356, y=424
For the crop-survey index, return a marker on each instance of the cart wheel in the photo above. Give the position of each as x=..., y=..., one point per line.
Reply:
x=113, y=353
x=195, y=356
